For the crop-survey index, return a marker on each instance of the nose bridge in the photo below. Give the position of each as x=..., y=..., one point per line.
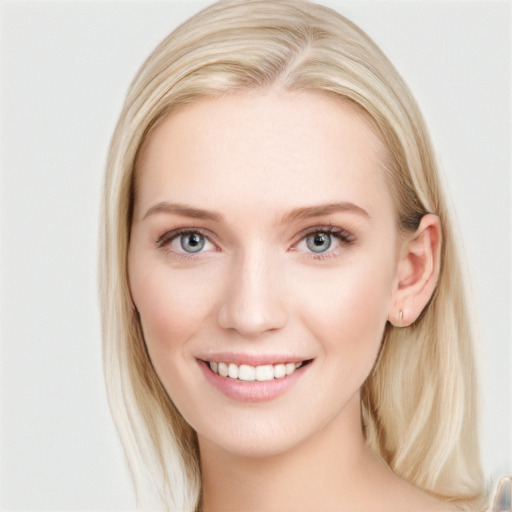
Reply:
x=254, y=299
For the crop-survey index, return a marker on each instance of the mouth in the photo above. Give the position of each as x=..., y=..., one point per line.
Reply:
x=266, y=379
x=261, y=373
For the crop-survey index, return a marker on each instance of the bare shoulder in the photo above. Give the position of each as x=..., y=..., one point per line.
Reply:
x=434, y=505
x=415, y=500
x=394, y=494
x=408, y=498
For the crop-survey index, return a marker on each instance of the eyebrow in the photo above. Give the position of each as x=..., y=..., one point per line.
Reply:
x=323, y=209
x=182, y=209
x=296, y=214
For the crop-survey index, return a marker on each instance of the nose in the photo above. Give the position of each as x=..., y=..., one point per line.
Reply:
x=254, y=299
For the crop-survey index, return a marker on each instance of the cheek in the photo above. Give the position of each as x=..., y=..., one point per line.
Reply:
x=349, y=311
x=172, y=305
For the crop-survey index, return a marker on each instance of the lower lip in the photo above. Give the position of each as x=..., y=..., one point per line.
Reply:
x=252, y=391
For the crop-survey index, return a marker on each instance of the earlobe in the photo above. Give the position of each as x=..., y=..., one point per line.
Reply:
x=418, y=272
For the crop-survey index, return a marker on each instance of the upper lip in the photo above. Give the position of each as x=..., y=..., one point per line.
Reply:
x=251, y=359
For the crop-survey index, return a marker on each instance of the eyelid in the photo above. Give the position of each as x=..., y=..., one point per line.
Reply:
x=329, y=229
x=344, y=238
x=169, y=236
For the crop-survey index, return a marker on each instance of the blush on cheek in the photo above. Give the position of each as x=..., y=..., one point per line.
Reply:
x=164, y=331
x=172, y=310
x=352, y=314
x=167, y=323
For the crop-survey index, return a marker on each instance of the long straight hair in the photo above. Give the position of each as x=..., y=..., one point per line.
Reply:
x=419, y=404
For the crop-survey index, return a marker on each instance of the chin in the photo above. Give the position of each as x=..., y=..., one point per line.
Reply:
x=264, y=432
x=251, y=443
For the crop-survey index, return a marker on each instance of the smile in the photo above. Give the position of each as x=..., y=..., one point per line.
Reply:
x=247, y=373
x=253, y=383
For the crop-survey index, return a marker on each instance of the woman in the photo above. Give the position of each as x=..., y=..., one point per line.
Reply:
x=285, y=320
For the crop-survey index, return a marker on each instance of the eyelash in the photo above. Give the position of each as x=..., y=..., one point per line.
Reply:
x=344, y=238
x=168, y=237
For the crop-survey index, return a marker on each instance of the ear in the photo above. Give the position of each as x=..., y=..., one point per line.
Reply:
x=417, y=273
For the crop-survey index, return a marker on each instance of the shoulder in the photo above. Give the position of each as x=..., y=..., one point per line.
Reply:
x=409, y=498
x=393, y=493
x=422, y=502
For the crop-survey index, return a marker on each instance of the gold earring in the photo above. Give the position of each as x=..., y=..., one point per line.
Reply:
x=401, y=316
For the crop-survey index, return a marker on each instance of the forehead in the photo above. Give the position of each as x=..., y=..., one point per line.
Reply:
x=270, y=147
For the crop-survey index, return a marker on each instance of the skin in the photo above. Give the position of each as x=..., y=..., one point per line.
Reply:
x=255, y=161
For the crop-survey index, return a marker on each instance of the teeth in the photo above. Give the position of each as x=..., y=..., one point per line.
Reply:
x=223, y=369
x=249, y=373
x=280, y=371
x=246, y=372
x=264, y=372
x=290, y=368
x=233, y=371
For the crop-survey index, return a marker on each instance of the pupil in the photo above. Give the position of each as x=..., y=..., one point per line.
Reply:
x=319, y=242
x=192, y=242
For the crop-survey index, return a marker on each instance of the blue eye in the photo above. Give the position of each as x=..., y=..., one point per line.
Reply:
x=319, y=242
x=185, y=242
x=192, y=242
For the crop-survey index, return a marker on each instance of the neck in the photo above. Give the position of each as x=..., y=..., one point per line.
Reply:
x=328, y=471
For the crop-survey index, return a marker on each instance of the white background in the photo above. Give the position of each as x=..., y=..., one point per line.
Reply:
x=65, y=67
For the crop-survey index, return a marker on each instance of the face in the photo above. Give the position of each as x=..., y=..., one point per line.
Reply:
x=263, y=246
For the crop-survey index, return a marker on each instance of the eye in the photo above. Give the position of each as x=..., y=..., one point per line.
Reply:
x=185, y=242
x=324, y=240
x=319, y=242
x=192, y=242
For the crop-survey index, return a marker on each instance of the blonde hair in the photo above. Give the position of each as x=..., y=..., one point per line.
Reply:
x=419, y=405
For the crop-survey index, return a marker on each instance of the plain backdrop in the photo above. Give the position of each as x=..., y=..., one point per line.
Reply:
x=65, y=67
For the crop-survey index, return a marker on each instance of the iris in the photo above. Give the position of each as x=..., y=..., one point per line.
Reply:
x=192, y=242
x=318, y=242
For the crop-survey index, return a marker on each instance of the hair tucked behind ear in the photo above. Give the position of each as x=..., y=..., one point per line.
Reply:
x=419, y=405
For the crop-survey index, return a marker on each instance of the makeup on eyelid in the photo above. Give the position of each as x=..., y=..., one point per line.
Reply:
x=316, y=240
